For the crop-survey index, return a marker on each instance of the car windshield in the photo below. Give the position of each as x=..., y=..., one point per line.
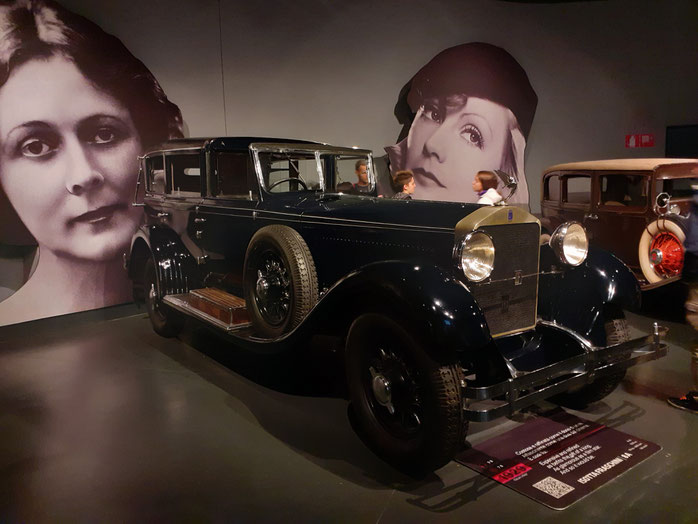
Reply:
x=285, y=171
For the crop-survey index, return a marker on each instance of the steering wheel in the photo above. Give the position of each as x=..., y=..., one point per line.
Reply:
x=305, y=186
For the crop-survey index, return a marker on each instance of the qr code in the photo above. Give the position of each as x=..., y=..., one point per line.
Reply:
x=553, y=487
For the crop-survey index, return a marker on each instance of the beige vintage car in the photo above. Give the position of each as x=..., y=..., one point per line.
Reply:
x=634, y=207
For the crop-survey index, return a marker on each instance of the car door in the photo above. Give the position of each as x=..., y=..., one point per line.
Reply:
x=181, y=180
x=623, y=201
x=225, y=220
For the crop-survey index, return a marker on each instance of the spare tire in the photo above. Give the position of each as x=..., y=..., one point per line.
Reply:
x=661, y=251
x=280, y=282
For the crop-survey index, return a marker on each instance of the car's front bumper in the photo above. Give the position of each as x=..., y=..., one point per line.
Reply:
x=505, y=398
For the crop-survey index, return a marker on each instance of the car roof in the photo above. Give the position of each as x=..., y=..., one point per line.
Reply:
x=243, y=143
x=623, y=164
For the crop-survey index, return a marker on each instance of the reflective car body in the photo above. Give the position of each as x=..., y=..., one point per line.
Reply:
x=531, y=328
x=616, y=202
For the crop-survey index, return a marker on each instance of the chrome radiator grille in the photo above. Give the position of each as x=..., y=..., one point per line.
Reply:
x=508, y=298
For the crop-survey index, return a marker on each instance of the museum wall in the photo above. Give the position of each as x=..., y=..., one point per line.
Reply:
x=333, y=72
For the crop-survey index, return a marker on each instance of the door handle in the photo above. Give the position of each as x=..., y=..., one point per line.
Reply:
x=591, y=216
x=199, y=220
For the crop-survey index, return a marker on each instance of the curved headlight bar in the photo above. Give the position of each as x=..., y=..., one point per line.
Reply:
x=477, y=256
x=570, y=243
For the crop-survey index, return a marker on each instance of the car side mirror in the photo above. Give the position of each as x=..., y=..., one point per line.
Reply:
x=509, y=182
x=662, y=200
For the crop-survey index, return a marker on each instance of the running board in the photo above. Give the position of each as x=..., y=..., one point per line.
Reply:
x=212, y=305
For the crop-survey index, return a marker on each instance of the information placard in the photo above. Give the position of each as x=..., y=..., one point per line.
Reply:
x=557, y=459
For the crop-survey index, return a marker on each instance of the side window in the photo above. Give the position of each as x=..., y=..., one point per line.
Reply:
x=155, y=174
x=233, y=175
x=342, y=174
x=623, y=190
x=577, y=189
x=552, y=188
x=183, y=174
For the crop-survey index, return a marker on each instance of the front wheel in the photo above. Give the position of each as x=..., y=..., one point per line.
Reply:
x=166, y=322
x=407, y=405
x=280, y=281
x=617, y=332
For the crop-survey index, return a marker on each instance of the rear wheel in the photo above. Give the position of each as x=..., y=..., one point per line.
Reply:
x=407, y=406
x=617, y=332
x=166, y=322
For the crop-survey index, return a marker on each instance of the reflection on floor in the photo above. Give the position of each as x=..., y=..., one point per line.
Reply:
x=103, y=420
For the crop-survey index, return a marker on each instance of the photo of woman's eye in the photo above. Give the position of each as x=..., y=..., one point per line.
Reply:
x=104, y=136
x=35, y=147
x=473, y=107
x=72, y=131
x=472, y=135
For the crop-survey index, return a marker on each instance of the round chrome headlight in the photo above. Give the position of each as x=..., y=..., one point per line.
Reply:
x=570, y=243
x=477, y=256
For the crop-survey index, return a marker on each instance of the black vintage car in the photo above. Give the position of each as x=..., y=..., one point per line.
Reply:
x=446, y=312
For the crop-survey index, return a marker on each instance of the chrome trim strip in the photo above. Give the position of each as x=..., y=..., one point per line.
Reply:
x=516, y=331
x=338, y=221
x=580, y=339
x=182, y=150
x=321, y=175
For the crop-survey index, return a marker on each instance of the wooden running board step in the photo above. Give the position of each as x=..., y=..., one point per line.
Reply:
x=227, y=308
x=213, y=305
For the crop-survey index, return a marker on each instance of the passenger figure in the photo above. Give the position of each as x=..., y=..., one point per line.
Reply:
x=76, y=110
x=404, y=181
x=689, y=401
x=485, y=185
x=361, y=187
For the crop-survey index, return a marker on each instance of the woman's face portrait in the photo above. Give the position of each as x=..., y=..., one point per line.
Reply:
x=68, y=160
x=469, y=109
x=450, y=141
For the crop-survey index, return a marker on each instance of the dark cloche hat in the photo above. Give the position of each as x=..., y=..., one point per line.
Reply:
x=480, y=70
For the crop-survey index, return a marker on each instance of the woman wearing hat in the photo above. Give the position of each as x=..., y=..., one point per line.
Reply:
x=473, y=108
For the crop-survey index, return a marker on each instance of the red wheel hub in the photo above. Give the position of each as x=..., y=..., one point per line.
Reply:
x=666, y=254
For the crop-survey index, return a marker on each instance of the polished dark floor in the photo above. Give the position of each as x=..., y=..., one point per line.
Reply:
x=103, y=420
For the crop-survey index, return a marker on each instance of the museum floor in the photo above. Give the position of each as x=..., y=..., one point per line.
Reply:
x=103, y=420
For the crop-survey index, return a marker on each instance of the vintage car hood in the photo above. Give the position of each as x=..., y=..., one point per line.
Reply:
x=420, y=213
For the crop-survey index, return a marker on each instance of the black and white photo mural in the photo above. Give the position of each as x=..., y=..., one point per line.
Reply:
x=468, y=109
x=76, y=110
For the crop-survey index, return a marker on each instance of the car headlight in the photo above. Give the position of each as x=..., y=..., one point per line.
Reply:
x=570, y=243
x=477, y=256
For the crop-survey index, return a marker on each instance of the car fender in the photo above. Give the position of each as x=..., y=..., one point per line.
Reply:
x=575, y=297
x=174, y=264
x=437, y=307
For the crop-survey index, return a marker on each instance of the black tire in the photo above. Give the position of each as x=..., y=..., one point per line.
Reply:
x=280, y=281
x=617, y=331
x=166, y=322
x=421, y=426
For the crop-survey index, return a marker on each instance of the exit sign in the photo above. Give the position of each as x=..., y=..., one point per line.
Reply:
x=645, y=140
